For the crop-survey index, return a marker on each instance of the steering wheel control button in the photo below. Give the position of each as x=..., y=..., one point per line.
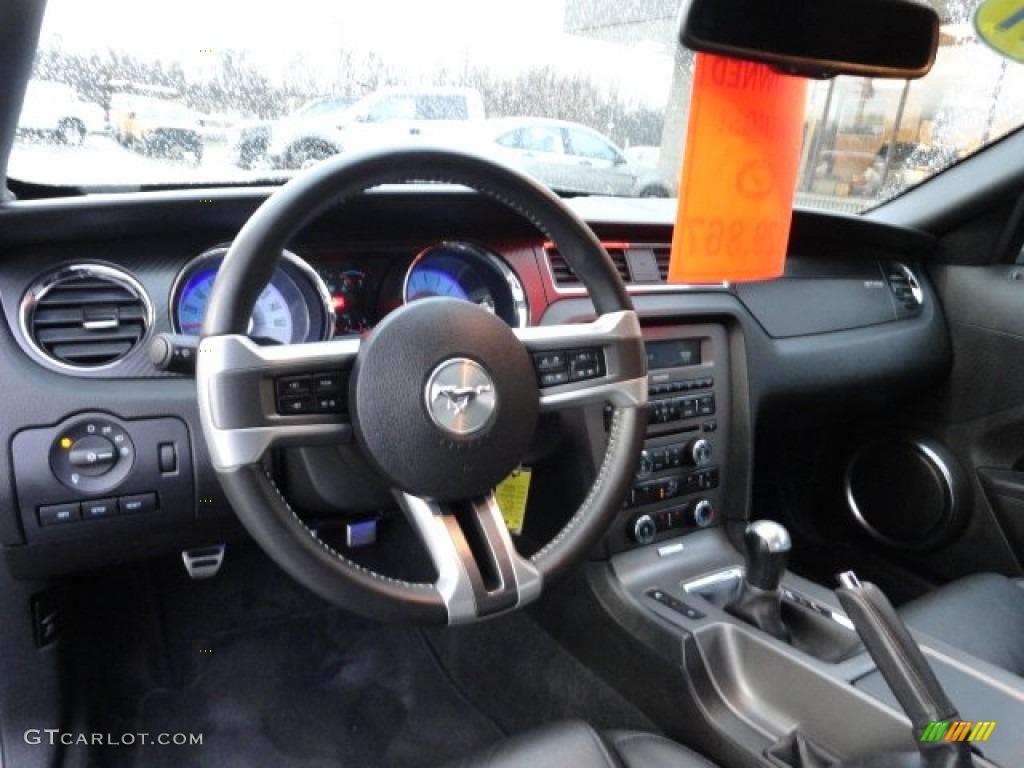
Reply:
x=460, y=397
x=137, y=504
x=554, y=378
x=299, y=395
x=98, y=509
x=294, y=385
x=58, y=514
x=328, y=403
x=586, y=364
x=559, y=367
x=92, y=456
x=295, y=406
x=549, y=361
x=327, y=382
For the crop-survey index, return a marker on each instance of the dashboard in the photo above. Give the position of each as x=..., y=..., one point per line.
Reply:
x=85, y=286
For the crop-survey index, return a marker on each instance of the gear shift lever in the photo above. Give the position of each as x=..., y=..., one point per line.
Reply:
x=766, y=545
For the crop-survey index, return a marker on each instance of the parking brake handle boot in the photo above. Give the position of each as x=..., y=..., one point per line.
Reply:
x=766, y=545
x=902, y=664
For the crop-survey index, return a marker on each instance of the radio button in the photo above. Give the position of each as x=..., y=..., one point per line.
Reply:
x=698, y=452
x=644, y=529
x=703, y=514
x=646, y=465
x=658, y=460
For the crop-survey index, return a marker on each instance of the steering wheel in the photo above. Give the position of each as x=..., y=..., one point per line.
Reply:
x=443, y=398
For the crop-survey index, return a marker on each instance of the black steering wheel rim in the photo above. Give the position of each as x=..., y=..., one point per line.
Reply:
x=248, y=267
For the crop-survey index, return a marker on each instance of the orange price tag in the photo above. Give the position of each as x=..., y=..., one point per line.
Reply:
x=739, y=172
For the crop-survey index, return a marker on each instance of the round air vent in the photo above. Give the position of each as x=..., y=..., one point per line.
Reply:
x=86, y=316
x=905, y=288
x=906, y=492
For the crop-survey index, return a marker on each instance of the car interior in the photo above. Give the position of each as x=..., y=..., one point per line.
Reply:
x=773, y=523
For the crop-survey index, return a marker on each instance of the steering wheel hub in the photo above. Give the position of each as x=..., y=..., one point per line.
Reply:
x=460, y=397
x=444, y=398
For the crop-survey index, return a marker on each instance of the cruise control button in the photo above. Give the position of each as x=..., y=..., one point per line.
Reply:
x=98, y=509
x=59, y=513
x=291, y=406
x=137, y=504
x=328, y=403
x=327, y=382
x=295, y=385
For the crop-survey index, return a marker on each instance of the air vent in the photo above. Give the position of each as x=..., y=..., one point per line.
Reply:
x=637, y=265
x=86, y=316
x=906, y=289
x=661, y=254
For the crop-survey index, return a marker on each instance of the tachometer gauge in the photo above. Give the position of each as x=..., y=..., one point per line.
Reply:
x=467, y=272
x=293, y=308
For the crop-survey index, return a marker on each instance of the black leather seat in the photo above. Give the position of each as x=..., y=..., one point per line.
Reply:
x=982, y=615
x=573, y=744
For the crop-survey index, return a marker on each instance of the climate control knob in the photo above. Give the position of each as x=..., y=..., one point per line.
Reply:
x=703, y=513
x=698, y=452
x=644, y=529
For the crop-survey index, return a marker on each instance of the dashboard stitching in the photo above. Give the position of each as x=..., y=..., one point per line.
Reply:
x=614, y=433
x=344, y=560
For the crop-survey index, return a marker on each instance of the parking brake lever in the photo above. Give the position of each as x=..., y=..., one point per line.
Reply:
x=904, y=667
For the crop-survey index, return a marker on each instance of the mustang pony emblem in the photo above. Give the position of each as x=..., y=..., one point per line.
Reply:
x=459, y=398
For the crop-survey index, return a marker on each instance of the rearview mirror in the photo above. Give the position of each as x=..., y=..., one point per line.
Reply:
x=818, y=38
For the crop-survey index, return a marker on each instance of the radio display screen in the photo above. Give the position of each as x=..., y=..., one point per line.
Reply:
x=672, y=354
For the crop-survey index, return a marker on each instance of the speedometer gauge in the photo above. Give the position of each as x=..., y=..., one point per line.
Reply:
x=271, y=317
x=293, y=308
x=471, y=273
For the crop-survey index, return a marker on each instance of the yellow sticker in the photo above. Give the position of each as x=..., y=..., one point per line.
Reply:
x=1000, y=23
x=512, y=493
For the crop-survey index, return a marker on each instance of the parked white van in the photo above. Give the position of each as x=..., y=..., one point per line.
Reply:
x=55, y=111
x=386, y=116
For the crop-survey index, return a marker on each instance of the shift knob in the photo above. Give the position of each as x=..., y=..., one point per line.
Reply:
x=767, y=545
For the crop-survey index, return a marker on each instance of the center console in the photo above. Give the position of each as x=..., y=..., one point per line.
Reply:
x=680, y=472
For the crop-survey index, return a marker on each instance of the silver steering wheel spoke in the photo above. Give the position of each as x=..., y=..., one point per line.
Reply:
x=480, y=573
x=253, y=397
x=595, y=362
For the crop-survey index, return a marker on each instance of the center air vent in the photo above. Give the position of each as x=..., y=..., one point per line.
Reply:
x=637, y=265
x=905, y=288
x=86, y=316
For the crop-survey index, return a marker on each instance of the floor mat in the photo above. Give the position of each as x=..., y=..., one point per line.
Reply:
x=325, y=690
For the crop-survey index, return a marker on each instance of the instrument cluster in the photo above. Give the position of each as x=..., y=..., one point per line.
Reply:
x=329, y=295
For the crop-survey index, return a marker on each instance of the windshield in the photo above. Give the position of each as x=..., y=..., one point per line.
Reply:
x=588, y=96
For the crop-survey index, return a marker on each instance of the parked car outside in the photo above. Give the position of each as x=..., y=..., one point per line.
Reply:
x=386, y=116
x=157, y=127
x=55, y=111
x=652, y=180
x=568, y=157
x=249, y=141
